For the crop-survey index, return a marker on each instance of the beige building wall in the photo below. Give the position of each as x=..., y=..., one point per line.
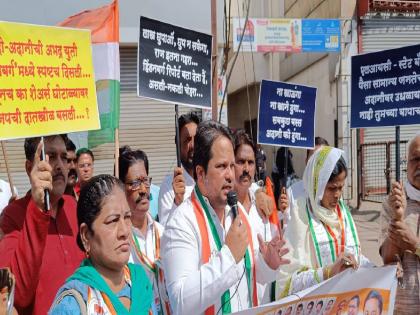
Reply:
x=314, y=69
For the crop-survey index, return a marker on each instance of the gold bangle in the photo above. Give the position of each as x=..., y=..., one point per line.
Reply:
x=327, y=271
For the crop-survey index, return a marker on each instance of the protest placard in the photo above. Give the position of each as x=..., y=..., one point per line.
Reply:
x=174, y=64
x=46, y=81
x=385, y=88
x=286, y=114
x=373, y=289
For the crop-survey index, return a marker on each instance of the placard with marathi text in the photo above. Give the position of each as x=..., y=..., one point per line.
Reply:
x=174, y=64
x=286, y=114
x=46, y=81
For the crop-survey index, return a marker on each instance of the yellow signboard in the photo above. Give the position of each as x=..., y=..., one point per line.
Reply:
x=47, y=81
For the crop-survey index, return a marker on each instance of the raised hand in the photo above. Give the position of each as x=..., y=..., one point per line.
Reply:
x=274, y=250
x=264, y=203
x=178, y=184
x=397, y=201
x=40, y=177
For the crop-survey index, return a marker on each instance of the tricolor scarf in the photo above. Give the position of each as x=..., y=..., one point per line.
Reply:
x=316, y=235
x=155, y=273
x=101, y=299
x=211, y=242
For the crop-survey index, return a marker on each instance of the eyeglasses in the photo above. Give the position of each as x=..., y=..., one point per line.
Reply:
x=135, y=184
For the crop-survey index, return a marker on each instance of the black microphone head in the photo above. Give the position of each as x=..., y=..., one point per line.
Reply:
x=232, y=198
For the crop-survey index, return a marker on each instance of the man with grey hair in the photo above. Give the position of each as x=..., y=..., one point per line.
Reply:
x=400, y=224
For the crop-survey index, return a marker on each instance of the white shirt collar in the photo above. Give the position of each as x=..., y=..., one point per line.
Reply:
x=137, y=231
x=228, y=211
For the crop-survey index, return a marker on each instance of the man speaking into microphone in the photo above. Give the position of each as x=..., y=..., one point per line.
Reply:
x=213, y=261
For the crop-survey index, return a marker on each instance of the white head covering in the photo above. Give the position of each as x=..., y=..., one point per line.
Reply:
x=315, y=178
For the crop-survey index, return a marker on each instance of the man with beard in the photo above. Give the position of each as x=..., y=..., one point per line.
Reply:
x=400, y=225
x=39, y=245
x=71, y=166
x=212, y=260
x=146, y=232
x=178, y=186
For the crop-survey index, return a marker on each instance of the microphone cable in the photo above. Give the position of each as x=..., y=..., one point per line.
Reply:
x=234, y=293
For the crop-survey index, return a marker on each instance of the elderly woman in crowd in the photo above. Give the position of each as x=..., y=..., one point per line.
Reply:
x=104, y=283
x=321, y=232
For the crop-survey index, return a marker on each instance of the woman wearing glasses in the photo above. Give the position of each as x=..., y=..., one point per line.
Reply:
x=146, y=233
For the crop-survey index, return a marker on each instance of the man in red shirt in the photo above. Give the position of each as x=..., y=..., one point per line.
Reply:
x=40, y=246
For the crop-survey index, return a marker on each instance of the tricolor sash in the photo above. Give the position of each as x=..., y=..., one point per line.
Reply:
x=98, y=303
x=206, y=224
x=327, y=244
x=161, y=304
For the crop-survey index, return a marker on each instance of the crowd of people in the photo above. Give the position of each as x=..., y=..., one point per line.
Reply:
x=99, y=247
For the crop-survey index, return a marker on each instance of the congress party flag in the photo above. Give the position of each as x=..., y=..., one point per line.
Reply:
x=104, y=25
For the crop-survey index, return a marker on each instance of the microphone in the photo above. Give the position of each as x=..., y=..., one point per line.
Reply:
x=232, y=200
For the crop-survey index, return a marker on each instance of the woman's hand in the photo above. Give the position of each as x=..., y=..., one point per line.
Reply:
x=343, y=262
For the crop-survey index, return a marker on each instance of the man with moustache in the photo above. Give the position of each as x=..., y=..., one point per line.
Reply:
x=71, y=166
x=146, y=232
x=245, y=168
x=204, y=244
x=178, y=186
x=39, y=245
x=400, y=225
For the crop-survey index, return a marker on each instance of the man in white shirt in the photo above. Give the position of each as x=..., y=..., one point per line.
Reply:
x=178, y=186
x=245, y=168
x=204, y=244
x=146, y=232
